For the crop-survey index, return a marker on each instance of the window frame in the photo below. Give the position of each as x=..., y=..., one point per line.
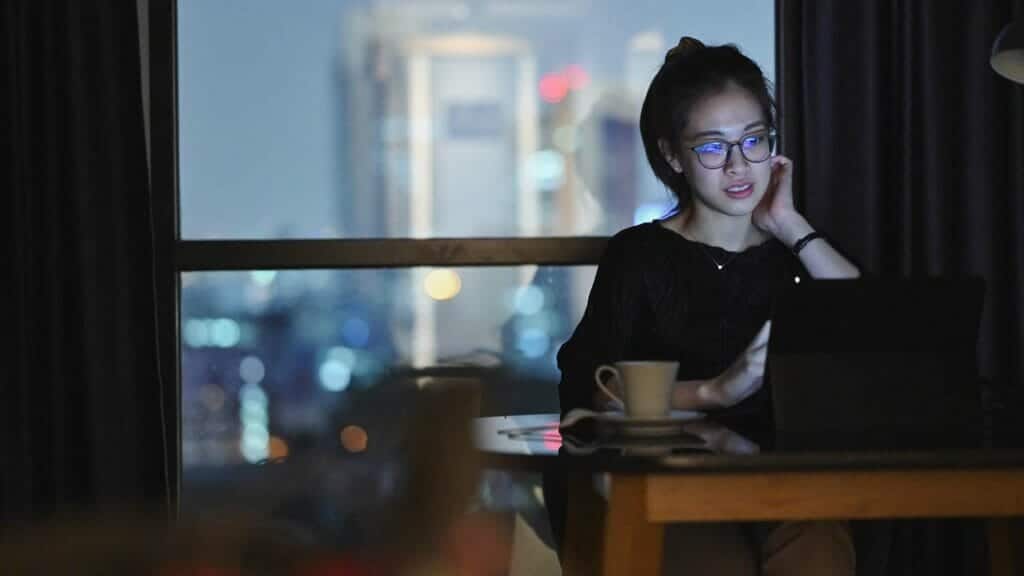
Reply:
x=177, y=256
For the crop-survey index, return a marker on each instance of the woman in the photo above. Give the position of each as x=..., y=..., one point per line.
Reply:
x=697, y=286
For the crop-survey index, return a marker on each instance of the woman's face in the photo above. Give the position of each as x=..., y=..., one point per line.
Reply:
x=717, y=121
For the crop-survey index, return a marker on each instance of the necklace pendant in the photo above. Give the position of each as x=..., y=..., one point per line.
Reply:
x=719, y=266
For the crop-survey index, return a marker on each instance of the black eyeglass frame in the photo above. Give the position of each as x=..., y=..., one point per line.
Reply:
x=771, y=133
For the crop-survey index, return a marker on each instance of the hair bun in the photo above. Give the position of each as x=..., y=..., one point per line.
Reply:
x=687, y=45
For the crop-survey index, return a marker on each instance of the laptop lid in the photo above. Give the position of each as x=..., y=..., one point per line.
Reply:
x=851, y=361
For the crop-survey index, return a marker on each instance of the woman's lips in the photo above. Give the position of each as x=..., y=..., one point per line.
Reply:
x=739, y=191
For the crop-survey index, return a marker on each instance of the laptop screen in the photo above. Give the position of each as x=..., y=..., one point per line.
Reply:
x=849, y=358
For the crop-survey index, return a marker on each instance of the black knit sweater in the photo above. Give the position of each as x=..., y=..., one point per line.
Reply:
x=660, y=296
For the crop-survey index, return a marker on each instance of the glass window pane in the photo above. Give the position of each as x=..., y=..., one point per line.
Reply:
x=392, y=118
x=274, y=360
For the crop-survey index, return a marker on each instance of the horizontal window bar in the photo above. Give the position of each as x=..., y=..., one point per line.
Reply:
x=200, y=255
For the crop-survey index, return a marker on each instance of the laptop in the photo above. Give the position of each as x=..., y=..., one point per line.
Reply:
x=875, y=363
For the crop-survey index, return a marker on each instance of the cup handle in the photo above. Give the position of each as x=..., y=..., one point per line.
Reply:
x=601, y=370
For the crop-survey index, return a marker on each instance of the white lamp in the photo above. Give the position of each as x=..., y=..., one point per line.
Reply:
x=1008, y=52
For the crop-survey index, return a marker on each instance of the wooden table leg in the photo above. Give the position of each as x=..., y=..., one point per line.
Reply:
x=632, y=544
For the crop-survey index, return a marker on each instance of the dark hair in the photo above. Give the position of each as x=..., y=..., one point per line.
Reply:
x=692, y=71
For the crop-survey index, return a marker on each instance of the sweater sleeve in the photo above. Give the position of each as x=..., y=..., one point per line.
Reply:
x=606, y=327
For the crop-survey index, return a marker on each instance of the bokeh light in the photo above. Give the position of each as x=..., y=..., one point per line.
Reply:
x=278, y=448
x=225, y=333
x=354, y=438
x=355, y=331
x=553, y=88
x=342, y=354
x=529, y=300
x=533, y=342
x=196, y=333
x=252, y=394
x=254, y=417
x=251, y=370
x=547, y=168
x=335, y=376
x=442, y=284
x=263, y=277
x=255, y=443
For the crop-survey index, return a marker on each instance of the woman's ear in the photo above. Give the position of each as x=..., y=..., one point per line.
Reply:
x=669, y=155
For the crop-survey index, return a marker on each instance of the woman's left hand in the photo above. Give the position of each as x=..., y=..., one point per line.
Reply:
x=776, y=214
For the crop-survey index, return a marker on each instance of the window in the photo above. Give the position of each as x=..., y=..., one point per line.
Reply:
x=366, y=186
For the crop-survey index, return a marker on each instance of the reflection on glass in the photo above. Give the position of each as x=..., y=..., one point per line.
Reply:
x=271, y=362
x=402, y=118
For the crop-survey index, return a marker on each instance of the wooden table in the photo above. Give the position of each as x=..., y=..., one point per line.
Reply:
x=646, y=491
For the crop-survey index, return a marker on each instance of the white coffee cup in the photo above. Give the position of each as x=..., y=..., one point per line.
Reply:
x=646, y=386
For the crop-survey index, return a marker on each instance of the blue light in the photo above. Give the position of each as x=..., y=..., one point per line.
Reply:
x=533, y=343
x=341, y=354
x=252, y=414
x=255, y=435
x=355, y=332
x=225, y=332
x=547, y=168
x=255, y=444
x=196, y=333
x=251, y=370
x=253, y=395
x=529, y=300
x=335, y=376
x=263, y=277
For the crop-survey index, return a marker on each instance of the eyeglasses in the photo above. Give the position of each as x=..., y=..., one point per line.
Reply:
x=755, y=148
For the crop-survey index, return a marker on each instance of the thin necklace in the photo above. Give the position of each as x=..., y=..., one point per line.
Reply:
x=719, y=265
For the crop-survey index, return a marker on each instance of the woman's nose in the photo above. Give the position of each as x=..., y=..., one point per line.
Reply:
x=734, y=160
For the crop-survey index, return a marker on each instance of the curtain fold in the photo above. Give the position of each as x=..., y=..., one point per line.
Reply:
x=909, y=146
x=81, y=415
x=908, y=150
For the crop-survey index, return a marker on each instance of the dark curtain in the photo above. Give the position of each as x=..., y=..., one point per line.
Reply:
x=80, y=410
x=910, y=152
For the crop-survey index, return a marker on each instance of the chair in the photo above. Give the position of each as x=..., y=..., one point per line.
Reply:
x=391, y=503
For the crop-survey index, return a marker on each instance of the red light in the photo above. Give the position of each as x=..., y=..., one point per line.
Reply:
x=553, y=88
x=553, y=440
x=577, y=76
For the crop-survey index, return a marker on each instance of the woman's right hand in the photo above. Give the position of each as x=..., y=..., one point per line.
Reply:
x=746, y=374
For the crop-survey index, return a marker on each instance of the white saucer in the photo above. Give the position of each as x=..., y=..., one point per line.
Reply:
x=659, y=426
x=645, y=445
